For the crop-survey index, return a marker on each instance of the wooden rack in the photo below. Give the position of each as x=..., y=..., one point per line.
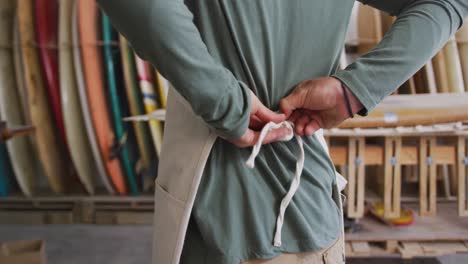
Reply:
x=77, y=210
x=355, y=155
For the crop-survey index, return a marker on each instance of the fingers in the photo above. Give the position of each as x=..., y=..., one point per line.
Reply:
x=294, y=116
x=312, y=127
x=290, y=103
x=301, y=123
x=251, y=137
x=267, y=115
x=256, y=123
x=277, y=135
x=306, y=122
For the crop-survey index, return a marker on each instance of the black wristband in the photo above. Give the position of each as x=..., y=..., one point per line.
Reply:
x=348, y=103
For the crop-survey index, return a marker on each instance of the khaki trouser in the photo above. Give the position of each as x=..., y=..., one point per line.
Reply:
x=331, y=255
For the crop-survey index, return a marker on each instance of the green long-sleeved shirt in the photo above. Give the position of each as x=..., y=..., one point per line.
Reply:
x=213, y=51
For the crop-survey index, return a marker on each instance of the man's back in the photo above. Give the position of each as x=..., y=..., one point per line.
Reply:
x=214, y=59
x=273, y=45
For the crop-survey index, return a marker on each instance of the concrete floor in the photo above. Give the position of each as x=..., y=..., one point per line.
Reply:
x=83, y=244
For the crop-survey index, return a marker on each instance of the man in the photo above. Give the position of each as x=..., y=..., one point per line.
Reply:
x=234, y=64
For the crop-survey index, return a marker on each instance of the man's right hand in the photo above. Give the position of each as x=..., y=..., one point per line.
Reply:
x=260, y=115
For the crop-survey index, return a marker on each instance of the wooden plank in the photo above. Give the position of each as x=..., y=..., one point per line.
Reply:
x=361, y=181
x=392, y=177
x=356, y=177
x=351, y=174
x=348, y=249
x=427, y=176
x=35, y=217
x=410, y=249
x=124, y=218
x=374, y=155
x=438, y=248
x=462, y=165
x=59, y=218
x=409, y=155
x=391, y=246
x=23, y=218
x=360, y=248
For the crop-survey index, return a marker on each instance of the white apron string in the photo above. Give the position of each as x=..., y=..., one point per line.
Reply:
x=297, y=176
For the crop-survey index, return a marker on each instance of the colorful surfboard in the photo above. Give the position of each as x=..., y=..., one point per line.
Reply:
x=46, y=18
x=51, y=152
x=20, y=148
x=83, y=96
x=78, y=143
x=97, y=99
x=120, y=131
x=150, y=100
x=135, y=102
x=6, y=172
x=163, y=87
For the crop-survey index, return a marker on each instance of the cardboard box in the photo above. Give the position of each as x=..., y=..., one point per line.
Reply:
x=23, y=252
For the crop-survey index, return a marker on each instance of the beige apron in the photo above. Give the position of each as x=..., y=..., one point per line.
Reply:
x=187, y=144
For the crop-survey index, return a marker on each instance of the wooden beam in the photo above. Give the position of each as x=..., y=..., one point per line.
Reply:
x=356, y=176
x=443, y=155
x=462, y=168
x=427, y=176
x=392, y=177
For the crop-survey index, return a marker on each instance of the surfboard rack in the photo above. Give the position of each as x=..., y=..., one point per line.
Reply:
x=107, y=210
x=423, y=147
x=8, y=133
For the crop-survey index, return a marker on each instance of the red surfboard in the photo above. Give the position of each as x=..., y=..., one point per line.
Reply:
x=46, y=23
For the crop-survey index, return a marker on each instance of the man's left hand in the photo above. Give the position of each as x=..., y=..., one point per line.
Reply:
x=318, y=103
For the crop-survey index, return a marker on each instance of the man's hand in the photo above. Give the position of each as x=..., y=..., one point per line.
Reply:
x=259, y=116
x=318, y=103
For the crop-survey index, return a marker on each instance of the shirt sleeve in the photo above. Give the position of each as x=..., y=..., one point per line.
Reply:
x=421, y=29
x=163, y=32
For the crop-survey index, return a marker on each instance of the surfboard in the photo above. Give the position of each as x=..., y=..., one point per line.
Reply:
x=440, y=71
x=19, y=74
x=46, y=18
x=414, y=110
x=163, y=87
x=50, y=149
x=94, y=82
x=429, y=78
x=462, y=41
x=135, y=102
x=19, y=149
x=149, y=100
x=6, y=172
x=75, y=132
x=83, y=96
x=453, y=64
x=110, y=64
